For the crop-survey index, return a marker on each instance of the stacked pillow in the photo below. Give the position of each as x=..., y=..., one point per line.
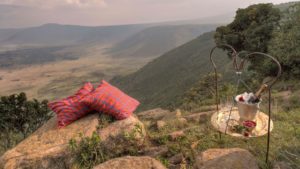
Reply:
x=105, y=98
x=71, y=108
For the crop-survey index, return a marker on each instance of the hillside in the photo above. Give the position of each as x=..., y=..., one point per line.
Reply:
x=58, y=51
x=157, y=40
x=162, y=82
x=57, y=35
x=165, y=79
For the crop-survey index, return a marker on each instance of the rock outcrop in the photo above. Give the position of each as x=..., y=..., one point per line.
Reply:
x=48, y=146
x=131, y=125
x=129, y=162
x=154, y=114
x=234, y=158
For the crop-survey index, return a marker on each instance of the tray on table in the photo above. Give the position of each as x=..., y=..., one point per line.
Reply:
x=219, y=121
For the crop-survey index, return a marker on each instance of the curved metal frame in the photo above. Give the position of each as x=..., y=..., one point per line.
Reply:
x=239, y=68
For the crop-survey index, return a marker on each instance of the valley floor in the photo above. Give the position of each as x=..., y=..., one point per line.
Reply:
x=59, y=79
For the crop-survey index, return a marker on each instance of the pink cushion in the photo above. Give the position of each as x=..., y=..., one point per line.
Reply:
x=110, y=100
x=71, y=108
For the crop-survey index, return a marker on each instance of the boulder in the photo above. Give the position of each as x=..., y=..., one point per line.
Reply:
x=233, y=158
x=131, y=163
x=48, y=146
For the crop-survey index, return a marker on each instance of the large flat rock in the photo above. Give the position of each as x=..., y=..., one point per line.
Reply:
x=129, y=162
x=48, y=146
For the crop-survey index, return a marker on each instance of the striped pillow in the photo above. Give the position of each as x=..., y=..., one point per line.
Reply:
x=71, y=108
x=110, y=100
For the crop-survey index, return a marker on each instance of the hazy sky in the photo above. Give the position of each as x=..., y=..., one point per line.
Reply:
x=23, y=13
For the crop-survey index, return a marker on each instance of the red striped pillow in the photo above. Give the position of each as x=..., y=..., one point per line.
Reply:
x=110, y=100
x=71, y=108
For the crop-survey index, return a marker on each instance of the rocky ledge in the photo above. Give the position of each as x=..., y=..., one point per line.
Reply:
x=48, y=146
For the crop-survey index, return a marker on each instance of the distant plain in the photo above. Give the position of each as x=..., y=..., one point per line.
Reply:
x=55, y=80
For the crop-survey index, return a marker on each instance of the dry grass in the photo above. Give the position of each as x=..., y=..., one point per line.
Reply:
x=59, y=79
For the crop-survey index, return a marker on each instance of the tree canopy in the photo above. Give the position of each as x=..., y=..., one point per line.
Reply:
x=285, y=44
x=263, y=28
x=251, y=29
x=19, y=117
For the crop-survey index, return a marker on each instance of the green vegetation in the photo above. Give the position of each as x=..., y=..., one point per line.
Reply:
x=90, y=151
x=202, y=136
x=258, y=28
x=180, y=78
x=198, y=136
x=203, y=93
x=285, y=43
x=20, y=117
x=251, y=29
x=163, y=81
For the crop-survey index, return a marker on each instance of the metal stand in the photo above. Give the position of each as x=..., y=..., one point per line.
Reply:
x=239, y=69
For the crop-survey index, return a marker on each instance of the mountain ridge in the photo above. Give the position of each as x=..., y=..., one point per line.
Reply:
x=155, y=41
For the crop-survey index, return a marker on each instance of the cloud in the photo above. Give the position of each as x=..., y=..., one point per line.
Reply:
x=86, y=2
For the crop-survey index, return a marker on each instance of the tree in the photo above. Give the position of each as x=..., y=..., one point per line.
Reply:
x=20, y=117
x=286, y=43
x=251, y=29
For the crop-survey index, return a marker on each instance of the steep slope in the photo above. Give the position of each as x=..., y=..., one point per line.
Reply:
x=161, y=82
x=157, y=40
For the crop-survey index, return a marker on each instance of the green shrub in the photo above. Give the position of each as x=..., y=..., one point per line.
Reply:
x=20, y=117
x=90, y=151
